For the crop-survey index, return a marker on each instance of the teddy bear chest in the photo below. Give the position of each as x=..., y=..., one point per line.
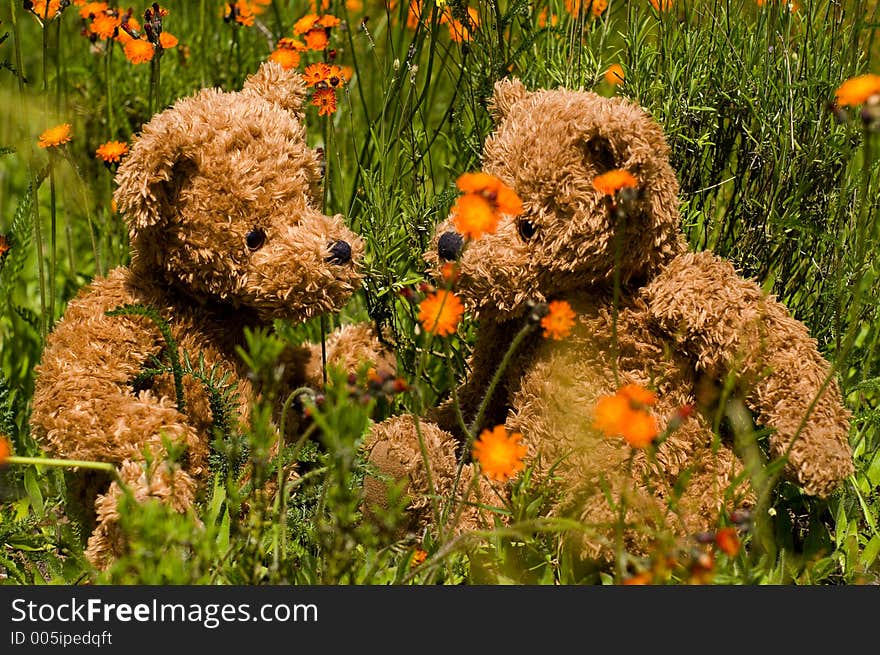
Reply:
x=554, y=405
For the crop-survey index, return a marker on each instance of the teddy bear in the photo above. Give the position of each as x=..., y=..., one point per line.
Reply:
x=221, y=194
x=679, y=336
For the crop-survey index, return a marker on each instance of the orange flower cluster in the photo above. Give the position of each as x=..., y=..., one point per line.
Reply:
x=418, y=556
x=112, y=152
x=315, y=30
x=499, y=453
x=459, y=30
x=325, y=78
x=4, y=246
x=244, y=12
x=595, y=7
x=559, y=320
x=55, y=136
x=485, y=198
x=102, y=22
x=625, y=414
x=661, y=5
x=863, y=89
x=613, y=181
x=440, y=312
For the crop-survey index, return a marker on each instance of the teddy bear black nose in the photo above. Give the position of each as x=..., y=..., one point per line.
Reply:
x=449, y=246
x=340, y=253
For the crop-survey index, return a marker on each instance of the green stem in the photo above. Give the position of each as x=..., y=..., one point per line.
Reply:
x=64, y=463
x=496, y=378
x=53, y=246
x=111, y=125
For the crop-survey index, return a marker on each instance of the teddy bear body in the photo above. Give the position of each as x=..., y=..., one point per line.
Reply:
x=648, y=312
x=221, y=194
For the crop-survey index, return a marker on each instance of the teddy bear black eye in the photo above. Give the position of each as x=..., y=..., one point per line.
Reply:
x=255, y=239
x=527, y=229
x=600, y=154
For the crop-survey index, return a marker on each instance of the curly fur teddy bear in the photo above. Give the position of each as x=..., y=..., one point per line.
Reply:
x=221, y=194
x=682, y=325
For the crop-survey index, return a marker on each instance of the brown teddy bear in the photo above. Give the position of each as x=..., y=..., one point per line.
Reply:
x=677, y=337
x=221, y=193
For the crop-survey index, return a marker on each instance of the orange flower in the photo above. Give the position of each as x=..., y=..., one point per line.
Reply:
x=104, y=25
x=614, y=74
x=486, y=197
x=638, y=395
x=4, y=246
x=727, y=541
x=317, y=39
x=418, y=556
x=55, y=136
x=449, y=273
x=305, y=23
x=112, y=151
x=139, y=51
x=91, y=8
x=500, y=454
x=167, y=40
x=325, y=100
x=613, y=181
x=858, y=90
x=559, y=320
x=643, y=578
x=639, y=430
x=502, y=196
x=542, y=19
x=625, y=415
x=474, y=216
x=45, y=9
x=661, y=5
x=611, y=412
x=315, y=74
x=287, y=57
x=258, y=6
x=5, y=450
x=328, y=20
x=440, y=312
x=459, y=31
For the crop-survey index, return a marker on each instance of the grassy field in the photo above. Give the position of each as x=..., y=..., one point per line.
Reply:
x=773, y=176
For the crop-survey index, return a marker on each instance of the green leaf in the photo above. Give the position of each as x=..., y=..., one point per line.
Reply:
x=33, y=491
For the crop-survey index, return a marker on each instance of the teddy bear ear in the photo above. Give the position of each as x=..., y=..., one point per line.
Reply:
x=149, y=181
x=278, y=85
x=506, y=94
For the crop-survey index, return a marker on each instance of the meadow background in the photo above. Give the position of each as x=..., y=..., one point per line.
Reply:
x=773, y=176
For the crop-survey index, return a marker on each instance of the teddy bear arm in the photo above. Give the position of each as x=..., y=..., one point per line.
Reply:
x=729, y=326
x=86, y=407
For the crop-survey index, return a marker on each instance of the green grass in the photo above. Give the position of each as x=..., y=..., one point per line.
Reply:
x=770, y=178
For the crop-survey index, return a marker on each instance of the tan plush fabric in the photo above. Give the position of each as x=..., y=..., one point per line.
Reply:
x=683, y=323
x=221, y=193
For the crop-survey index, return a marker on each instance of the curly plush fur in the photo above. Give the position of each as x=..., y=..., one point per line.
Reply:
x=220, y=192
x=682, y=324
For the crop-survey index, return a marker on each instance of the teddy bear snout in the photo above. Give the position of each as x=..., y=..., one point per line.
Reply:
x=340, y=253
x=449, y=246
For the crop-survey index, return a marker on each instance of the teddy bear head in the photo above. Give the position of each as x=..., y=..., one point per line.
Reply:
x=549, y=146
x=222, y=197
